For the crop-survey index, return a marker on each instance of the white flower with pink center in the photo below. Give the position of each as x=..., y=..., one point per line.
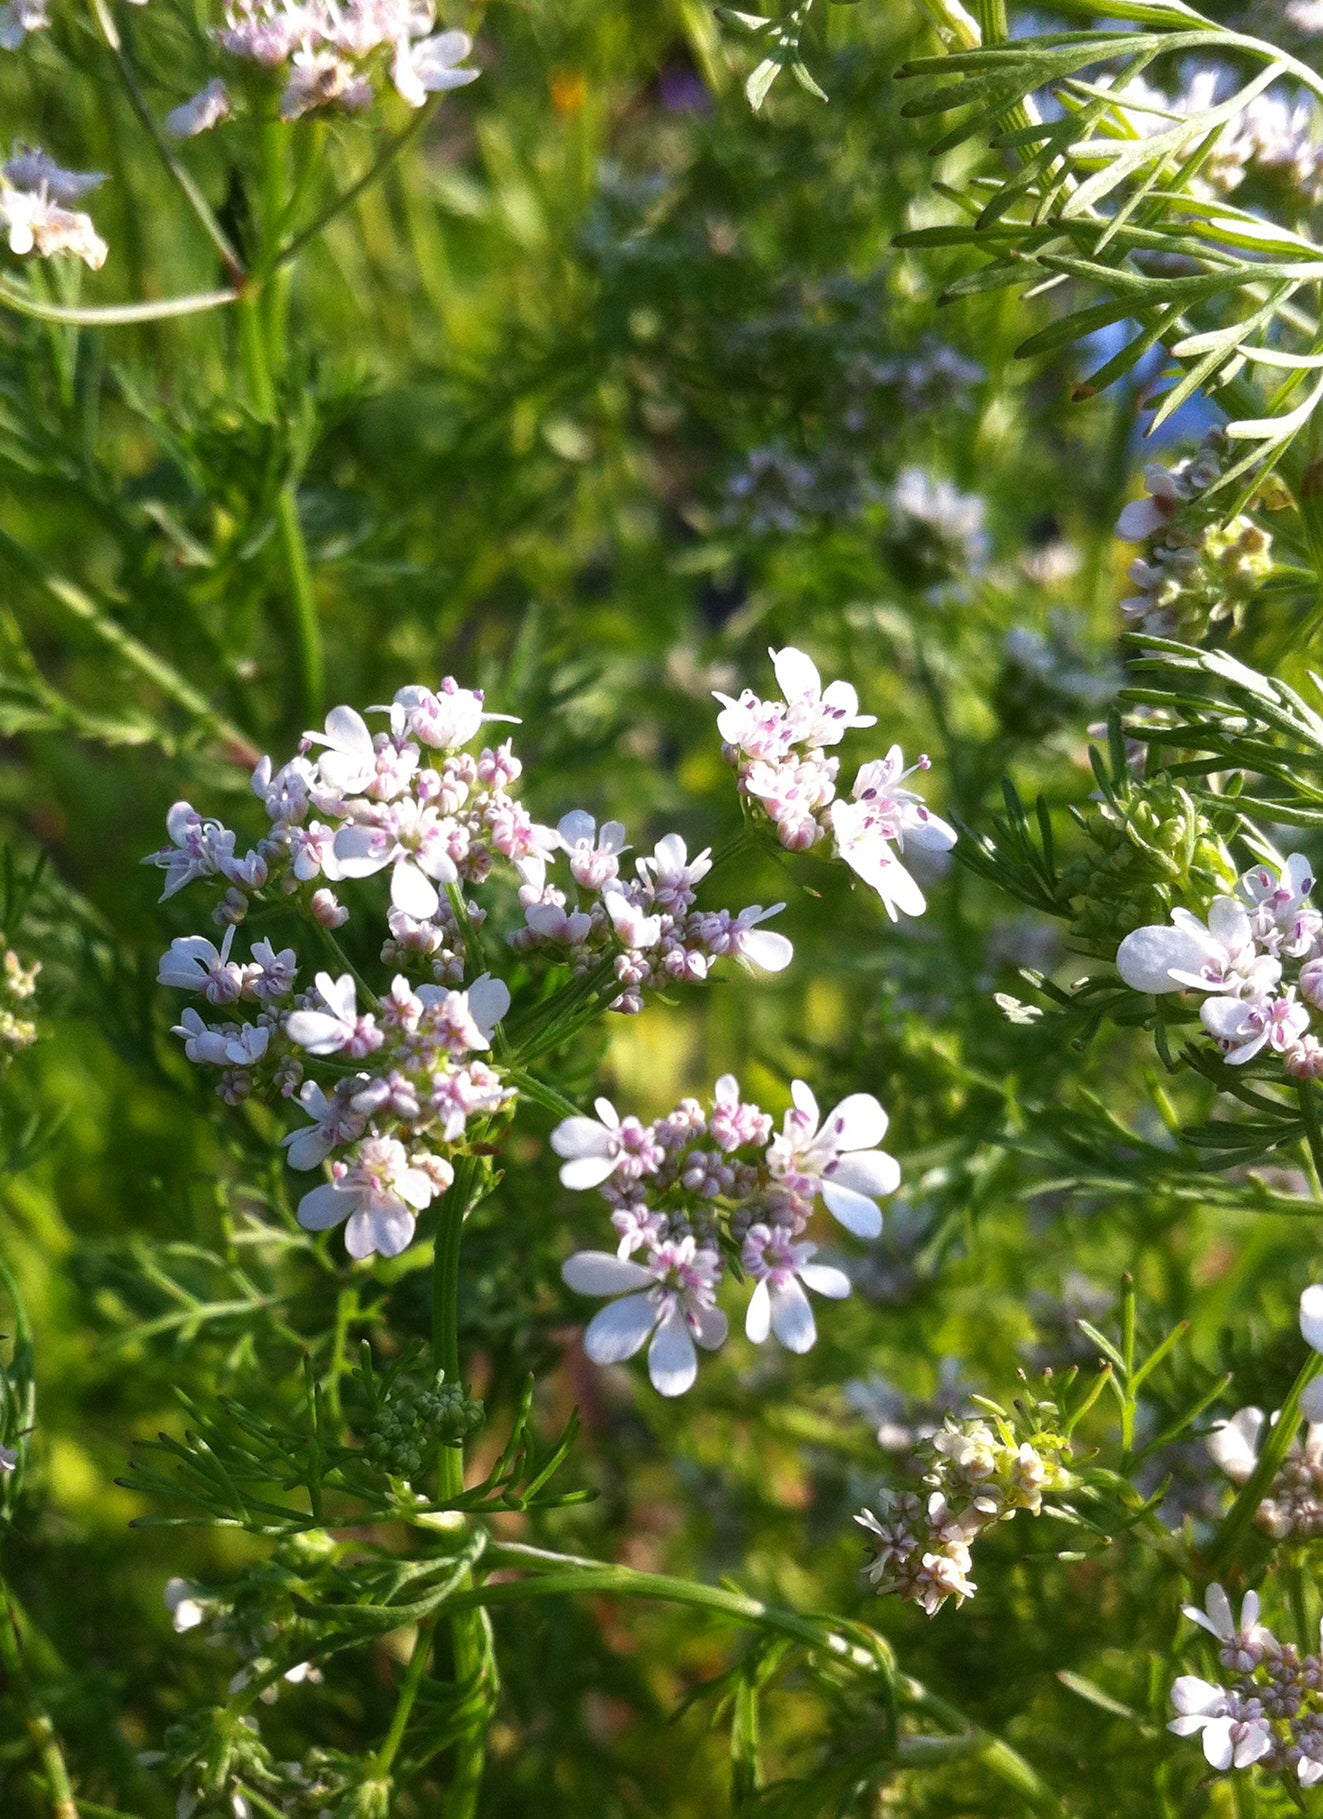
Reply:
x=740, y=936
x=336, y=1121
x=635, y=929
x=414, y=841
x=1209, y=1712
x=594, y=857
x=337, y=1027
x=462, y=1022
x=444, y=718
x=758, y=729
x=197, y=848
x=781, y=1271
x=670, y=875
x=1222, y=957
x=837, y=1157
x=379, y=1192
x=195, y=964
x=669, y=1300
x=881, y=814
x=1282, y=919
x=348, y=764
x=597, y=1148
x=1245, y=1029
x=731, y=1123
x=816, y=716
x=286, y=794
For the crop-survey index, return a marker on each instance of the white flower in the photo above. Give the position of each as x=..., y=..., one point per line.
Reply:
x=194, y=964
x=594, y=858
x=635, y=929
x=1221, y=957
x=816, y=716
x=327, y=1031
x=186, y=1611
x=839, y=1156
x=778, y=1304
x=464, y=1021
x=286, y=794
x=1233, y=1445
x=1244, y=1029
x=723, y=934
x=207, y=108
x=1227, y=1742
x=883, y=813
x=228, y=1045
x=349, y=762
x=597, y=1148
x=336, y=1120
x=411, y=838
x=197, y=848
x=430, y=67
x=1242, y=1642
x=380, y=1193
x=669, y=1299
x=670, y=874
x=444, y=719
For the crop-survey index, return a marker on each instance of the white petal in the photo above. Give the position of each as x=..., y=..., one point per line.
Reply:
x=1234, y=1445
x=802, y=1095
x=1140, y=520
x=1191, y=1695
x=1228, y=922
x=576, y=826
x=619, y=1329
x=324, y=1207
x=711, y=1329
x=387, y=1230
x=411, y=892
x=770, y=952
x=1146, y=957
x=581, y=1137
x=856, y=1214
x=361, y=851
x=870, y=1172
x=792, y=1317
x=585, y=1172
x=1217, y=1743
x=857, y=1123
x=824, y=1280
x=672, y=1360
x=796, y=674
x=1311, y=1316
x=602, y=1273
x=489, y=1000
x=758, y=1318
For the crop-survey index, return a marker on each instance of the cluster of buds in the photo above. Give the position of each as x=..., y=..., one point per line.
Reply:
x=1257, y=960
x=1152, y=848
x=779, y=752
x=978, y=1474
x=708, y=1188
x=394, y=1081
x=1195, y=569
x=34, y=216
x=411, y=1417
x=18, y=985
x=333, y=54
x=1270, y=1712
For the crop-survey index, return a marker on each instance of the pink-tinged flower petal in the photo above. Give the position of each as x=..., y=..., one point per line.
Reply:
x=802, y=1095
x=709, y=1327
x=324, y=1207
x=1311, y=1316
x=672, y=1360
x=411, y=892
x=796, y=674
x=792, y=1317
x=857, y=1123
x=758, y=1318
x=602, y=1273
x=619, y=1329
x=1148, y=956
x=824, y=1280
x=768, y=951
x=361, y=851
x=856, y=1213
x=387, y=1230
x=870, y=1172
x=1140, y=520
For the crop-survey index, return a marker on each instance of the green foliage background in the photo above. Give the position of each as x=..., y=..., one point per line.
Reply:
x=521, y=372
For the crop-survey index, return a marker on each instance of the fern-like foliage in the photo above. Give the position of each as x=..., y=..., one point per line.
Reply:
x=1102, y=185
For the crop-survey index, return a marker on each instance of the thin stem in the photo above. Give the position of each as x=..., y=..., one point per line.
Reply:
x=468, y=1631
x=197, y=202
x=586, y=1576
x=111, y=315
x=413, y=1679
x=36, y=1719
x=1313, y=1135
x=270, y=262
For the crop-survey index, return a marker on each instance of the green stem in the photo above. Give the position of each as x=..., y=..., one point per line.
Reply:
x=468, y=1631
x=586, y=1576
x=413, y=1679
x=36, y=1719
x=1313, y=1135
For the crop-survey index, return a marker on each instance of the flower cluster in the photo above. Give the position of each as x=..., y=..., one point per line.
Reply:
x=1258, y=960
x=919, y=1548
x=779, y=752
x=648, y=922
x=1194, y=568
x=1271, y=1711
x=34, y=192
x=333, y=53
x=708, y=1187
x=18, y=985
x=1293, y=1506
x=394, y=1081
